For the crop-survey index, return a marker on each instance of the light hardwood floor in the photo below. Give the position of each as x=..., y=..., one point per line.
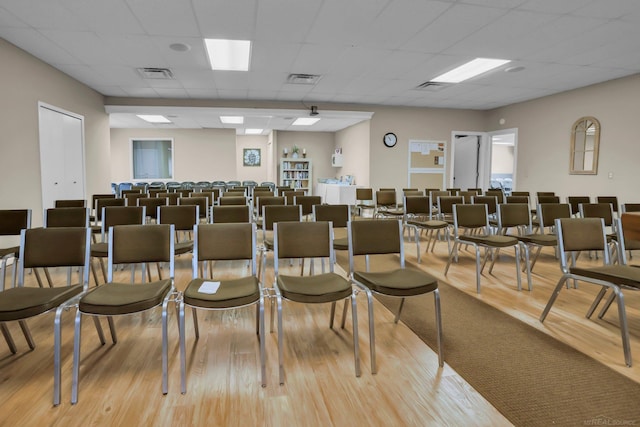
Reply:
x=120, y=384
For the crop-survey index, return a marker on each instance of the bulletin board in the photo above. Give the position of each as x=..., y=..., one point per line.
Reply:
x=427, y=164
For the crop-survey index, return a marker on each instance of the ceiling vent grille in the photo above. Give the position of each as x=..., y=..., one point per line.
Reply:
x=303, y=79
x=156, y=73
x=432, y=86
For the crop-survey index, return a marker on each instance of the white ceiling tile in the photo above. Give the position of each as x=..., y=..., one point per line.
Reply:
x=38, y=45
x=170, y=92
x=87, y=46
x=199, y=93
x=113, y=16
x=9, y=20
x=275, y=23
x=45, y=14
x=554, y=6
x=173, y=18
x=269, y=56
x=226, y=19
x=317, y=59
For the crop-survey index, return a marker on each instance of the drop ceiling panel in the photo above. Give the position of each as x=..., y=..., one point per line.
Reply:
x=554, y=6
x=275, y=23
x=226, y=19
x=38, y=45
x=174, y=18
x=85, y=45
x=344, y=22
x=49, y=14
x=9, y=20
x=105, y=17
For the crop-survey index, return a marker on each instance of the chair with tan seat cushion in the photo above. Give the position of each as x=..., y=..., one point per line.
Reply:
x=54, y=248
x=300, y=240
x=132, y=245
x=371, y=238
x=231, y=213
x=183, y=218
x=218, y=291
x=418, y=216
x=12, y=222
x=66, y=217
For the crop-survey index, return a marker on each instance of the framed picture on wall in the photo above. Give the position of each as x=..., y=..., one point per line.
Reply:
x=251, y=157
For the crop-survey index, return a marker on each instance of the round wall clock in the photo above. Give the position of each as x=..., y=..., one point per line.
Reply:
x=390, y=139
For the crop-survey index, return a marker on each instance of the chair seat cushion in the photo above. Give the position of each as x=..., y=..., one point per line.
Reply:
x=231, y=293
x=21, y=303
x=431, y=224
x=493, y=240
x=124, y=298
x=100, y=250
x=625, y=275
x=319, y=288
x=340, y=239
x=13, y=251
x=539, y=239
x=401, y=282
x=183, y=247
x=96, y=229
x=391, y=212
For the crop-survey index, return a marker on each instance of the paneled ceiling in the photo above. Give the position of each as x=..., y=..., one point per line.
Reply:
x=370, y=52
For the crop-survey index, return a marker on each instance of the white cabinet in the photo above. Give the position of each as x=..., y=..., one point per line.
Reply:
x=297, y=174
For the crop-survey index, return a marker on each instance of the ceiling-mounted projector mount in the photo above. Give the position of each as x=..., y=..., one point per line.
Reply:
x=314, y=110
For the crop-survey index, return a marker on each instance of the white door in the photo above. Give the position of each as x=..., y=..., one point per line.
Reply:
x=466, y=152
x=61, y=155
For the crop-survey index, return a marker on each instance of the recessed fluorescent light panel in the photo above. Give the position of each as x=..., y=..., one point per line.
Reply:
x=151, y=118
x=305, y=121
x=470, y=69
x=232, y=120
x=252, y=131
x=228, y=55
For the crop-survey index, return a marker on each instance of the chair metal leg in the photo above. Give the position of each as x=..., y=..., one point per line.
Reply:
x=451, y=255
x=96, y=322
x=372, y=332
x=356, y=344
x=553, y=296
x=397, y=318
x=607, y=304
x=38, y=279
x=194, y=314
x=263, y=364
x=76, y=358
x=624, y=328
x=57, y=339
x=345, y=308
x=183, y=350
x=535, y=257
x=478, y=268
x=526, y=265
x=165, y=345
x=518, y=275
x=112, y=328
x=436, y=301
x=332, y=315
x=8, y=338
x=280, y=337
x=27, y=334
x=596, y=301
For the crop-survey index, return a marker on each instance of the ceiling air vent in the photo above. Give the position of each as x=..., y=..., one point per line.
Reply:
x=303, y=79
x=432, y=86
x=156, y=73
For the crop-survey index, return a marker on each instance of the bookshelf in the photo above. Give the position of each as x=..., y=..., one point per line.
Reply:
x=297, y=174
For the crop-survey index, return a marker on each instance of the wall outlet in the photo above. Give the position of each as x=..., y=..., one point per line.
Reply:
x=610, y=175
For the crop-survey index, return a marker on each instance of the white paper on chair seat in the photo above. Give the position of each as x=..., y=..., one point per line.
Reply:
x=209, y=287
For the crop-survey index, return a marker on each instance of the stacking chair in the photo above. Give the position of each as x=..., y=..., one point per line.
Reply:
x=300, y=240
x=100, y=204
x=371, y=238
x=575, y=202
x=548, y=199
x=232, y=192
x=467, y=195
x=491, y=202
x=111, y=216
x=183, y=218
x=207, y=193
x=153, y=192
x=478, y=191
x=495, y=193
x=66, y=217
x=280, y=189
x=201, y=202
x=125, y=192
x=364, y=200
x=517, y=199
x=151, y=206
x=222, y=242
x=94, y=198
x=471, y=227
x=70, y=203
x=289, y=195
x=418, y=217
x=232, y=200
x=609, y=199
x=271, y=185
x=12, y=221
x=546, y=236
x=172, y=198
x=588, y=234
x=307, y=203
x=172, y=186
x=259, y=202
x=130, y=244
x=630, y=207
x=231, y=213
x=339, y=216
x=517, y=216
x=184, y=192
x=453, y=191
x=520, y=193
x=272, y=214
x=386, y=204
x=232, y=184
x=445, y=207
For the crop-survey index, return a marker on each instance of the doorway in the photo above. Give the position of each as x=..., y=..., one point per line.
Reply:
x=503, y=159
x=470, y=155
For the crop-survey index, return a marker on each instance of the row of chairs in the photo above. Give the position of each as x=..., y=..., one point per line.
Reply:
x=144, y=243
x=118, y=188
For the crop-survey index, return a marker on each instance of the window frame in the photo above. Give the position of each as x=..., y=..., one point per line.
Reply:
x=132, y=162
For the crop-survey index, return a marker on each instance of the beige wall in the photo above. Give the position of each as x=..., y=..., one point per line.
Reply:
x=199, y=154
x=252, y=173
x=501, y=158
x=544, y=130
x=354, y=142
x=319, y=146
x=25, y=80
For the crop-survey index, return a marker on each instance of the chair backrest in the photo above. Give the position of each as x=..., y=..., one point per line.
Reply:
x=276, y=213
x=134, y=244
x=375, y=237
x=514, y=215
x=478, y=191
x=598, y=210
x=364, y=194
x=631, y=207
x=55, y=247
x=386, y=198
x=576, y=201
x=151, y=204
x=580, y=234
x=66, y=217
x=517, y=199
x=549, y=212
x=124, y=193
x=262, y=193
x=12, y=221
x=95, y=198
x=280, y=189
x=153, y=192
x=490, y=201
x=234, y=193
x=545, y=193
x=548, y=199
x=302, y=240
x=609, y=199
x=132, y=198
x=338, y=215
x=289, y=195
x=206, y=194
x=307, y=203
x=268, y=201
x=230, y=213
x=172, y=198
x=467, y=195
x=121, y=215
x=232, y=200
x=520, y=193
x=446, y=203
x=471, y=217
x=184, y=192
x=183, y=217
x=412, y=193
x=201, y=202
x=497, y=193
x=261, y=187
x=104, y=202
x=453, y=191
x=224, y=241
x=417, y=205
x=70, y=203
x=628, y=230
